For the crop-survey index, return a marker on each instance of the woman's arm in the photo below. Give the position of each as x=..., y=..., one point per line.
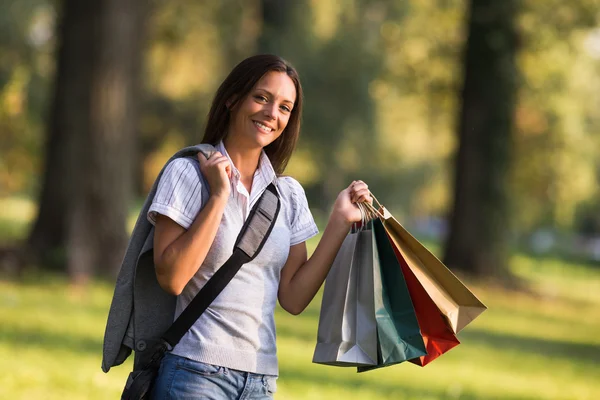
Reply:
x=178, y=253
x=302, y=278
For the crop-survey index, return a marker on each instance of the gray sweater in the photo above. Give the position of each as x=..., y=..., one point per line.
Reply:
x=139, y=304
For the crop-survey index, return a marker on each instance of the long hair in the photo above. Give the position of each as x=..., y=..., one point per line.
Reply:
x=236, y=87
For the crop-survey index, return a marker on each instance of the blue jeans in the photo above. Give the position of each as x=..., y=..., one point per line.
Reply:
x=182, y=378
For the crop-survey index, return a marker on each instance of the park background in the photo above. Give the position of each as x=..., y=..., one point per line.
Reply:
x=477, y=123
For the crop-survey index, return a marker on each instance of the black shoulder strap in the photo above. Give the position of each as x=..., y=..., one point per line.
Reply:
x=250, y=241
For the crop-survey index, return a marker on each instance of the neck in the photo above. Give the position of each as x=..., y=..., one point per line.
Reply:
x=245, y=159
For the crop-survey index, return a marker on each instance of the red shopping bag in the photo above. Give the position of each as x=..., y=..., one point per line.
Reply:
x=438, y=337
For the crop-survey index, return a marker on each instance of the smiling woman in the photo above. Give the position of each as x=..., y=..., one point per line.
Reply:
x=267, y=80
x=261, y=117
x=254, y=124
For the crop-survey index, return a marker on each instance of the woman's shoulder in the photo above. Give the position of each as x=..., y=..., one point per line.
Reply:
x=182, y=162
x=289, y=186
x=182, y=167
x=296, y=209
x=181, y=174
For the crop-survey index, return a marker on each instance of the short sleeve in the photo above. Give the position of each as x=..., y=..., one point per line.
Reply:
x=302, y=224
x=179, y=193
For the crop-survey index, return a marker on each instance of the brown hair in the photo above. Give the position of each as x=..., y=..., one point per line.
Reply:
x=236, y=87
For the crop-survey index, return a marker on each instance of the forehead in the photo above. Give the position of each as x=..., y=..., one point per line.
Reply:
x=279, y=84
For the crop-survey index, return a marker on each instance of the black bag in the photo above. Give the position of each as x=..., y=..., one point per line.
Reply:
x=249, y=243
x=139, y=383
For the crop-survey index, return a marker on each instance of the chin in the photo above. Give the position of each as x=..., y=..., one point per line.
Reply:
x=263, y=141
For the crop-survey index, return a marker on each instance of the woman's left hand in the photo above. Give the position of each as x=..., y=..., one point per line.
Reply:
x=345, y=204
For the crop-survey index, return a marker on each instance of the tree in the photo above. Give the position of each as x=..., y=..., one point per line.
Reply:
x=479, y=222
x=48, y=237
x=277, y=17
x=90, y=145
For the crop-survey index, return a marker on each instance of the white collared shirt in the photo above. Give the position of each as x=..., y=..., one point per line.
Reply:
x=237, y=331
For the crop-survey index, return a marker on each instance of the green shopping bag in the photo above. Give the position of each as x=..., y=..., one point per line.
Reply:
x=398, y=333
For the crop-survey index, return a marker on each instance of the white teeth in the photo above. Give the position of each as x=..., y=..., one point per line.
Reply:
x=264, y=127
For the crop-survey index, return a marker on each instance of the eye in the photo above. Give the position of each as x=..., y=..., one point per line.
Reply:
x=286, y=108
x=260, y=97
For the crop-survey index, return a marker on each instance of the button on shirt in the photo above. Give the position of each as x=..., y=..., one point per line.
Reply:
x=238, y=329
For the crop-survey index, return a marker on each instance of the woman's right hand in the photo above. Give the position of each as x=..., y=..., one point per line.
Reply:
x=217, y=172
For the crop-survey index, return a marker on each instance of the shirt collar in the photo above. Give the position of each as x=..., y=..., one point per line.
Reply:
x=263, y=176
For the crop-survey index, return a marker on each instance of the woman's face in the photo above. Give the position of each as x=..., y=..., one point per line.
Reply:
x=262, y=116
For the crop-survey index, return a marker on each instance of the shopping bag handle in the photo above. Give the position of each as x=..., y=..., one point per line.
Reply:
x=375, y=199
x=370, y=211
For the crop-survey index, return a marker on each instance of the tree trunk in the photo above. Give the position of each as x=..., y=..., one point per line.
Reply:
x=478, y=241
x=276, y=19
x=97, y=227
x=91, y=136
x=47, y=240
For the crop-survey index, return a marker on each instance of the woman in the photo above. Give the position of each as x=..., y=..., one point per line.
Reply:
x=254, y=123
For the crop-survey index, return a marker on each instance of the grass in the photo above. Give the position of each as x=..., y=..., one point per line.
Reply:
x=539, y=345
x=526, y=346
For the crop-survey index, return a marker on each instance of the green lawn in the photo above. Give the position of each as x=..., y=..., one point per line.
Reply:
x=544, y=345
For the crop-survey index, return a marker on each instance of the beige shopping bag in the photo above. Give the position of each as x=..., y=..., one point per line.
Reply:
x=455, y=301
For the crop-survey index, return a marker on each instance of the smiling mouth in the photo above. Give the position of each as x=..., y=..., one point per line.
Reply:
x=263, y=127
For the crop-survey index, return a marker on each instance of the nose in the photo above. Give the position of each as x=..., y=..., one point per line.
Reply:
x=270, y=111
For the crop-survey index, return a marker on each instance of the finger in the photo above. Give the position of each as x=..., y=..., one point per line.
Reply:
x=352, y=188
x=360, y=193
x=360, y=185
x=201, y=159
x=365, y=199
x=355, y=194
x=225, y=165
x=216, y=160
x=222, y=161
x=203, y=156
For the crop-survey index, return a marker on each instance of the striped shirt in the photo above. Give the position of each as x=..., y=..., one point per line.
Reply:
x=237, y=331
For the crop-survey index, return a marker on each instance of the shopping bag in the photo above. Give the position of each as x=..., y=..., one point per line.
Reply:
x=347, y=333
x=397, y=326
x=457, y=303
x=437, y=335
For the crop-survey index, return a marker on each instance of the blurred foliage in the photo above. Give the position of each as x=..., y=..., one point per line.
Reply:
x=558, y=119
x=381, y=82
x=26, y=64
